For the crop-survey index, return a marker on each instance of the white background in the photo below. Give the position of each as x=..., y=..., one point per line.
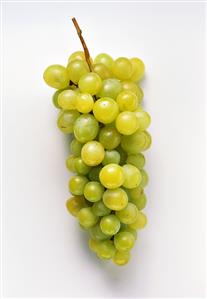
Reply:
x=44, y=252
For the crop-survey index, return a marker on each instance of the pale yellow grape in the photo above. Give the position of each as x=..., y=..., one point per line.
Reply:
x=138, y=69
x=127, y=101
x=140, y=201
x=75, y=204
x=106, y=249
x=126, y=228
x=67, y=100
x=124, y=241
x=134, y=143
x=105, y=110
x=140, y=222
x=92, y=153
x=132, y=176
x=127, y=123
x=86, y=128
x=100, y=209
x=137, y=160
x=128, y=214
x=115, y=199
x=97, y=234
x=110, y=88
x=55, y=97
x=78, y=55
x=102, y=71
x=122, y=68
x=76, y=69
x=134, y=193
x=112, y=176
x=76, y=184
x=144, y=119
x=56, y=76
x=84, y=103
x=105, y=59
x=90, y=83
x=93, y=245
x=121, y=258
x=93, y=191
x=131, y=86
x=75, y=147
x=70, y=163
x=109, y=137
x=110, y=225
x=66, y=120
x=87, y=218
x=148, y=140
x=111, y=157
x=145, y=178
x=80, y=167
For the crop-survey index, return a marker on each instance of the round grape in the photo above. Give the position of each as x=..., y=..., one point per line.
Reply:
x=86, y=217
x=132, y=176
x=109, y=137
x=138, y=68
x=111, y=157
x=76, y=69
x=93, y=191
x=110, y=225
x=97, y=234
x=75, y=147
x=56, y=76
x=99, y=209
x=112, y=176
x=67, y=99
x=84, y=103
x=86, y=128
x=75, y=204
x=80, y=167
x=140, y=222
x=77, y=184
x=124, y=241
x=137, y=160
x=105, y=110
x=122, y=68
x=121, y=258
x=105, y=59
x=115, y=199
x=102, y=71
x=128, y=214
x=127, y=101
x=110, y=88
x=126, y=123
x=66, y=120
x=92, y=153
x=90, y=83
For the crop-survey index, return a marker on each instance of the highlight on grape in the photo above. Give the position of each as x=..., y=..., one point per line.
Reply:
x=100, y=105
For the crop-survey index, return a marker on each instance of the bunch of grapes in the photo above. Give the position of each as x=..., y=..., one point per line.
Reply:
x=100, y=104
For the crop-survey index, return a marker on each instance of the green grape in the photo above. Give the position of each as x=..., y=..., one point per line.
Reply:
x=126, y=228
x=66, y=120
x=97, y=234
x=110, y=225
x=76, y=184
x=134, y=193
x=131, y=86
x=126, y=123
x=128, y=214
x=55, y=97
x=102, y=70
x=80, y=167
x=127, y=101
x=93, y=191
x=84, y=103
x=77, y=55
x=138, y=69
x=112, y=176
x=140, y=222
x=105, y=110
x=122, y=68
x=75, y=204
x=92, y=153
x=90, y=83
x=140, y=201
x=137, y=160
x=123, y=155
x=109, y=137
x=148, y=140
x=99, y=209
x=110, y=88
x=115, y=199
x=94, y=173
x=121, y=258
x=106, y=249
x=134, y=143
x=144, y=119
x=132, y=176
x=104, y=59
x=86, y=128
x=93, y=245
x=86, y=217
x=76, y=147
x=145, y=178
x=56, y=76
x=76, y=69
x=111, y=157
x=70, y=163
x=124, y=241
x=67, y=99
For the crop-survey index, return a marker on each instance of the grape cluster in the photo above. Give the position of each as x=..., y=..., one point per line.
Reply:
x=103, y=112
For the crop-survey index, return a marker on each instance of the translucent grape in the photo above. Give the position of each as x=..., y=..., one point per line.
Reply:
x=70, y=163
x=67, y=99
x=126, y=123
x=97, y=234
x=109, y=137
x=90, y=83
x=105, y=59
x=94, y=173
x=132, y=176
x=148, y=140
x=115, y=199
x=86, y=128
x=84, y=103
x=99, y=209
x=138, y=69
x=144, y=119
x=110, y=88
x=134, y=193
x=122, y=68
x=121, y=258
x=112, y=176
x=128, y=214
x=76, y=69
x=140, y=222
x=137, y=160
x=127, y=101
x=80, y=167
x=131, y=86
x=93, y=191
x=110, y=225
x=75, y=204
x=102, y=71
x=77, y=184
x=145, y=178
x=56, y=76
x=134, y=143
x=55, y=98
x=111, y=157
x=126, y=228
x=106, y=249
x=93, y=245
x=78, y=55
x=124, y=241
x=105, y=110
x=66, y=120
x=86, y=217
x=140, y=201
x=75, y=147
x=92, y=153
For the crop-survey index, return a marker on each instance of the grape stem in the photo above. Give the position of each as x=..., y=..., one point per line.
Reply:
x=86, y=52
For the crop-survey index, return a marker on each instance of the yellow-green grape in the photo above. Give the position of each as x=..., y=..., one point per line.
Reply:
x=121, y=258
x=90, y=83
x=105, y=59
x=123, y=155
x=132, y=176
x=110, y=225
x=76, y=147
x=56, y=76
x=94, y=173
x=99, y=209
x=70, y=163
x=115, y=199
x=55, y=98
x=134, y=143
x=105, y=110
x=97, y=234
x=145, y=178
x=93, y=191
x=84, y=103
x=76, y=184
x=109, y=137
x=77, y=55
x=86, y=217
x=76, y=69
x=111, y=157
x=144, y=119
x=140, y=201
x=128, y=214
x=126, y=123
x=138, y=69
x=124, y=241
x=106, y=249
x=134, y=193
x=66, y=120
x=110, y=88
x=126, y=228
x=102, y=70
x=93, y=245
x=127, y=101
x=148, y=140
x=92, y=153
x=67, y=99
x=137, y=160
x=122, y=68
x=75, y=204
x=140, y=222
x=112, y=176
x=131, y=86
x=86, y=128
x=80, y=167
